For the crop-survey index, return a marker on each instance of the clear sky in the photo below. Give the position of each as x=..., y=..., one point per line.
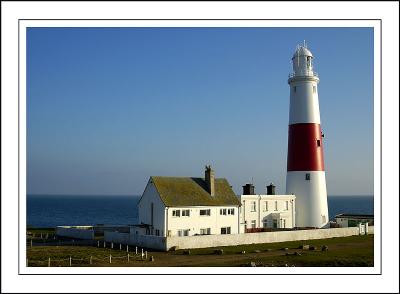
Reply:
x=109, y=107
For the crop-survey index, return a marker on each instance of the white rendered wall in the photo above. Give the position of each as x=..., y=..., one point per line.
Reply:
x=304, y=105
x=150, y=195
x=195, y=221
x=247, y=215
x=311, y=197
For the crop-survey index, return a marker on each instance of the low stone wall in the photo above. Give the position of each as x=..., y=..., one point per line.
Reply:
x=146, y=241
x=256, y=238
x=78, y=232
x=165, y=243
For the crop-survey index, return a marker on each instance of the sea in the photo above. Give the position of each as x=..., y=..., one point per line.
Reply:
x=47, y=211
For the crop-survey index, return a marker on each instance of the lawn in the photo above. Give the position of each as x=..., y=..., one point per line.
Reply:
x=346, y=251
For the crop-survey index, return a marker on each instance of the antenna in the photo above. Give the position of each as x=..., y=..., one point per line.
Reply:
x=305, y=44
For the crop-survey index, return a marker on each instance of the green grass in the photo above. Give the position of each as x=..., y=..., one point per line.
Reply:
x=347, y=251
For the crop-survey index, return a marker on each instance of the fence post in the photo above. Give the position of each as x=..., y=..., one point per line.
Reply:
x=70, y=261
x=142, y=253
x=48, y=264
x=110, y=258
x=41, y=237
x=47, y=236
x=127, y=248
x=104, y=244
x=120, y=246
x=31, y=243
x=98, y=243
x=146, y=254
x=27, y=259
x=136, y=250
x=112, y=245
x=90, y=260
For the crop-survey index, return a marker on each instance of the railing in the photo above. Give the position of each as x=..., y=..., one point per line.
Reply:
x=306, y=74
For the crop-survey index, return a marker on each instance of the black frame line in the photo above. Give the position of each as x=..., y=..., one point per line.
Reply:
x=201, y=19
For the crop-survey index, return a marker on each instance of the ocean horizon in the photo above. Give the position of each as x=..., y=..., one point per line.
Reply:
x=50, y=210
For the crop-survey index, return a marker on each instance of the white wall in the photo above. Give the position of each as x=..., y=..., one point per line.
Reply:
x=150, y=195
x=145, y=241
x=195, y=221
x=257, y=238
x=83, y=232
x=261, y=214
x=165, y=243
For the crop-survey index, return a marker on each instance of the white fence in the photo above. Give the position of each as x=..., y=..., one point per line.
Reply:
x=134, y=239
x=165, y=243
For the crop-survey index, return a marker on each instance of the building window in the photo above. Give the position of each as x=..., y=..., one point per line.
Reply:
x=253, y=224
x=205, y=212
x=225, y=230
x=222, y=211
x=276, y=205
x=186, y=212
x=157, y=232
x=253, y=206
x=182, y=233
x=286, y=205
x=266, y=206
x=284, y=223
x=206, y=231
x=294, y=89
x=231, y=211
x=308, y=177
x=176, y=213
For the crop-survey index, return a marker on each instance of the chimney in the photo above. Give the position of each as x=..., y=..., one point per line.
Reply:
x=209, y=178
x=271, y=189
x=248, y=189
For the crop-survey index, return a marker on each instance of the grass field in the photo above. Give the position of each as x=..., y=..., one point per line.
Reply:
x=346, y=251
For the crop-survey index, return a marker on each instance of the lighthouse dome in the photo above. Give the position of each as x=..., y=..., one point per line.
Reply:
x=302, y=51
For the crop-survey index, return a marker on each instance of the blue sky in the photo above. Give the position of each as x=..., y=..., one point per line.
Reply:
x=109, y=107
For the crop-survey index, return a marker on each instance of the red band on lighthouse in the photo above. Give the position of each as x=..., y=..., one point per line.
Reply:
x=305, y=152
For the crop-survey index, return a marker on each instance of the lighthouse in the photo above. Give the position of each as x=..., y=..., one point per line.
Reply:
x=305, y=162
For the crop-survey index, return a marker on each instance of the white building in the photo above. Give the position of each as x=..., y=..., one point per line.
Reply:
x=266, y=211
x=184, y=206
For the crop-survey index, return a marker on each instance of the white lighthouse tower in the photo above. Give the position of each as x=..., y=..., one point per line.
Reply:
x=305, y=163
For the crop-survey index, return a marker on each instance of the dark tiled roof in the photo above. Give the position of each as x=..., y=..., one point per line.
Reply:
x=182, y=191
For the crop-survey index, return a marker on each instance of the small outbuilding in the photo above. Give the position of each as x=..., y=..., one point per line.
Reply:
x=345, y=220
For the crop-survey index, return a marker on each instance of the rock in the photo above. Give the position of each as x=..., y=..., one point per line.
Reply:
x=285, y=249
x=243, y=252
x=304, y=247
x=324, y=248
x=253, y=264
x=297, y=253
x=313, y=248
x=268, y=249
x=152, y=258
x=219, y=251
x=174, y=248
x=186, y=252
x=257, y=251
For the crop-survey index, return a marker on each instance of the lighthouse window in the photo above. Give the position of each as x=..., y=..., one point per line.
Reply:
x=294, y=89
x=318, y=143
x=308, y=177
x=314, y=89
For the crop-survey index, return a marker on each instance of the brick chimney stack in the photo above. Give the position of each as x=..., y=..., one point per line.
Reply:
x=209, y=178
